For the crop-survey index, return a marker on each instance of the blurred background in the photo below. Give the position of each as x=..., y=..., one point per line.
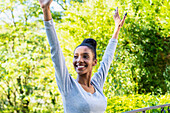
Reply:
x=139, y=75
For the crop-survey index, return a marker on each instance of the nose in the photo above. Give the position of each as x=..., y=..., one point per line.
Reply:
x=80, y=59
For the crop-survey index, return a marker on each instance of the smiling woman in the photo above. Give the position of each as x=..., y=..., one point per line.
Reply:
x=84, y=94
x=85, y=56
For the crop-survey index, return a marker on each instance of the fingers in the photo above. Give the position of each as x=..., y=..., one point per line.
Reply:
x=116, y=15
x=118, y=21
x=116, y=11
x=45, y=3
x=122, y=22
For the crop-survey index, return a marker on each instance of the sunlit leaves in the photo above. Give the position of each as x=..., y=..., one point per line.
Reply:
x=132, y=102
x=142, y=41
x=140, y=65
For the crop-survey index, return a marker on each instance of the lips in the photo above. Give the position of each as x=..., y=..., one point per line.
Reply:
x=81, y=67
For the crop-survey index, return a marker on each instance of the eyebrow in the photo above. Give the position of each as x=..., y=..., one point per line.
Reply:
x=86, y=53
x=83, y=53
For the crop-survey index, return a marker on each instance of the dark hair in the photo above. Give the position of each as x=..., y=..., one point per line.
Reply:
x=91, y=43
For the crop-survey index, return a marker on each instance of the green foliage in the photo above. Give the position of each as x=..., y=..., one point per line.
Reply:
x=26, y=74
x=149, y=40
x=141, y=63
x=124, y=103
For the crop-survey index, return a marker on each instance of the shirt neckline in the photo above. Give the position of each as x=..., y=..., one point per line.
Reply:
x=86, y=91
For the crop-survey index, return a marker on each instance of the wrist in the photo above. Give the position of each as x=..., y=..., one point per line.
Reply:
x=47, y=13
x=117, y=28
x=45, y=8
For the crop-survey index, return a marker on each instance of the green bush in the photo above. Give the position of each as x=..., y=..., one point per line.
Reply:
x=140, y=65
x=125, y=103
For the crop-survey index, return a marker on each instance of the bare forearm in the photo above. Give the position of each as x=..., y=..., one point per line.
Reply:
x=116, y=33
x=47, y=13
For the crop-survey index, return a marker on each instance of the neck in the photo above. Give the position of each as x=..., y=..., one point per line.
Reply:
x=84, y=79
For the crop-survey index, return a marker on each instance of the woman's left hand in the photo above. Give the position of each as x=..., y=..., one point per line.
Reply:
x=118, y=22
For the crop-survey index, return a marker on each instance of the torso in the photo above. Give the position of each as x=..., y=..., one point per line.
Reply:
x=81, y=99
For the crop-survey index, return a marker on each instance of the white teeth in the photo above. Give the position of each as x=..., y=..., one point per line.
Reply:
x=80, y=66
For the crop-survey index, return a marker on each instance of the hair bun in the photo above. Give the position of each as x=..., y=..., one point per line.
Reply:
x=90, y=41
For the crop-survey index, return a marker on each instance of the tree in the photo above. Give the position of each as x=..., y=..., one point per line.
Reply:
x=24, y=51
x=141, y=64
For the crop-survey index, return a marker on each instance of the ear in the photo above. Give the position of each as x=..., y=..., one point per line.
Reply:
x=94, y=62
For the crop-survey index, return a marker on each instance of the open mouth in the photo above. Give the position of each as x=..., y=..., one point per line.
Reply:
x=80, y=67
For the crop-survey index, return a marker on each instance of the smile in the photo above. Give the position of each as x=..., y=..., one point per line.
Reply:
x=80, y=66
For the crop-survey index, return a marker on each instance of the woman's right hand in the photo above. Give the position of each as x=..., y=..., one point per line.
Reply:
x=45, y=3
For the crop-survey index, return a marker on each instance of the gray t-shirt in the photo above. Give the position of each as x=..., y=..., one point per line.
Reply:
x=75, y=98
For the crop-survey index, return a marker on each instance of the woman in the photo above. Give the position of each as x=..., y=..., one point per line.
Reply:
x=85, y=94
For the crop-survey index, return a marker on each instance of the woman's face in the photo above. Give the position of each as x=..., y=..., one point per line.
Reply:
x=83, y=60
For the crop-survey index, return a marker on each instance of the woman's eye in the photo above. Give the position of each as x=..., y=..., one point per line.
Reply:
x=85, y=56
x=75, y=57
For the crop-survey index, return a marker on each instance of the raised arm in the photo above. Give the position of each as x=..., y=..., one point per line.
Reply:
x=100, y=76
x=61, y=72
x=118, y=23
x=45, y=5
